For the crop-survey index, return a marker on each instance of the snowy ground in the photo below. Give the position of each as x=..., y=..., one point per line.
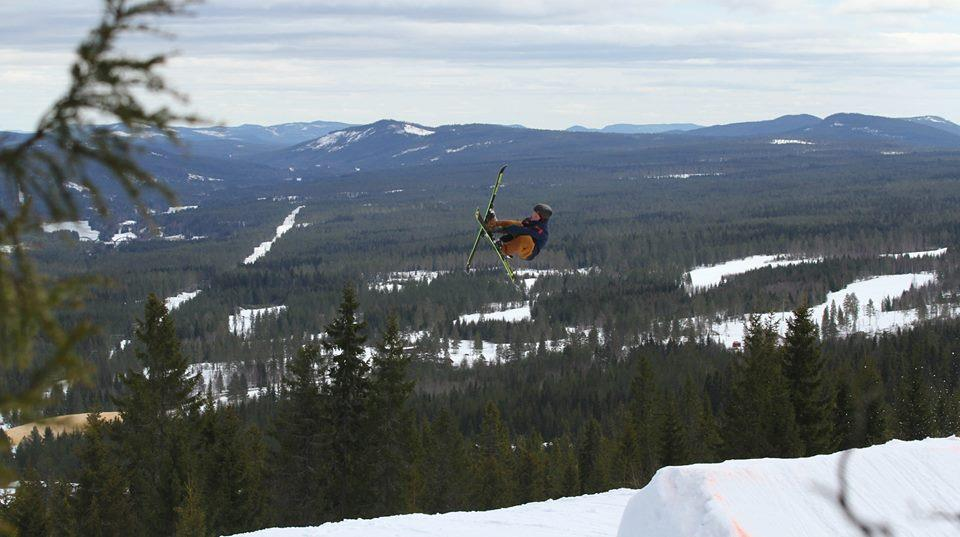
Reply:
x=909, y=486
x=705, y=277
x=394, y=281
x=876, y=289
x=511, y=313
x=902, y=484
x=595, y=515
x=265, y=246
x=242, y=323
x=702, y=278
x=81, y=228
x=176, y=301
x=913, y=255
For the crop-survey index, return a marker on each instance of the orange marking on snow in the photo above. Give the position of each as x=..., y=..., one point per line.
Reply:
x=740, y=531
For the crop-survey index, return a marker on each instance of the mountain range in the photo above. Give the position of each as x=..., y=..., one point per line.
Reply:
x=252, y=154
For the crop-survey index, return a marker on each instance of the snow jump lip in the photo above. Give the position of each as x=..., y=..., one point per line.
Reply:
x=900, y=484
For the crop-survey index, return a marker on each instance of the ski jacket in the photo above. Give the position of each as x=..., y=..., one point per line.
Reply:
x=535, y=230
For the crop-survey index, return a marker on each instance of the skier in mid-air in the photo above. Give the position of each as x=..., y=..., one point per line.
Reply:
x=521, y=238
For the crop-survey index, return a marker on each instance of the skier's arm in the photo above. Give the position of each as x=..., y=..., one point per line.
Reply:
x=505, y=223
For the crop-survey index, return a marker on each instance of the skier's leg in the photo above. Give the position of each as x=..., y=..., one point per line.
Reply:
x=521, y=246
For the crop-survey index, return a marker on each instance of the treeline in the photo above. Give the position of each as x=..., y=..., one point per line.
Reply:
x=348, y=438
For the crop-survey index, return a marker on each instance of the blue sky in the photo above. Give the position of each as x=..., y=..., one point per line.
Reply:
x=548, y=64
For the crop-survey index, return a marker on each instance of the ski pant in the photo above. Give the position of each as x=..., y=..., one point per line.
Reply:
x=513, y=245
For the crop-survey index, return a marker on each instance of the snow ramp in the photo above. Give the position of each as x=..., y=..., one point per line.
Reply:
x=911, y=487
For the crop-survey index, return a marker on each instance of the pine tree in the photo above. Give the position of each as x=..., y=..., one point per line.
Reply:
x=592, y=460
x=103, y=506
x=531, y=470
x=563, y=472
x=646, y=409
x=758, y=417
x=445, y=466
x=493, y=472
x=803, y=369
x=153, y=437
x=191, y=521
x=875, y=429
x=231, y=470
x=626, y=465
x=708, y=442
x=392, y=423
x=298, y=464
x=346, y=406
x=675, y=451
x=844, y=416
x=27, y=513
x=914, y=412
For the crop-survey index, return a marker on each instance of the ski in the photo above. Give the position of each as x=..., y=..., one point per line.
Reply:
x=493, y=196
x=506, y=264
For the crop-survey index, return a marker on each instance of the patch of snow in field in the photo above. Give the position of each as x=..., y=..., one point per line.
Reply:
x=77, y=187
x=242, y=323
x=122, y=237
x=394, y=281
x=465, y=350
x=176, y=301
x=705, y=277
x=911, y=255
x=81, y=228
x=876, y=289
x=783, y=141
x=513, y=314
x=530, y=276
x=592, y=515
x=177, y=209
x=265, y=246
x=903, y=485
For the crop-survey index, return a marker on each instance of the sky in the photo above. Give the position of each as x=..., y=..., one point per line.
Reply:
x=540, y=63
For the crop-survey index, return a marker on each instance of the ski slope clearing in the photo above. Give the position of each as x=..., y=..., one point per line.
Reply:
x=265, y=246
x=901, y=484
x=176, y=301
x=595, y=515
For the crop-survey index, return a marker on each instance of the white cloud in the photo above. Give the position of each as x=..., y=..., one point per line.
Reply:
x=545, y=63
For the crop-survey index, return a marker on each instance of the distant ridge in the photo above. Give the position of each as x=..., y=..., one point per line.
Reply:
x=780, y=125
x=628, y=128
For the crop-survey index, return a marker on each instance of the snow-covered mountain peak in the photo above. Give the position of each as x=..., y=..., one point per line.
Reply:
x=336, y=141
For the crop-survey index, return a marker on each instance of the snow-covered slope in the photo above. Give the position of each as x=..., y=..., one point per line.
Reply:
x=909, y=486
x=595, y=515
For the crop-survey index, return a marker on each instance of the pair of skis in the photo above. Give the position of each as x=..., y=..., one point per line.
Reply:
x=482, y=232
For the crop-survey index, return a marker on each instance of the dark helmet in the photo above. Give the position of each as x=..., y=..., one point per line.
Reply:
x=543, y=210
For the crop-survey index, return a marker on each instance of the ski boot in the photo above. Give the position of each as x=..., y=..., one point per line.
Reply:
x=491, y=217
